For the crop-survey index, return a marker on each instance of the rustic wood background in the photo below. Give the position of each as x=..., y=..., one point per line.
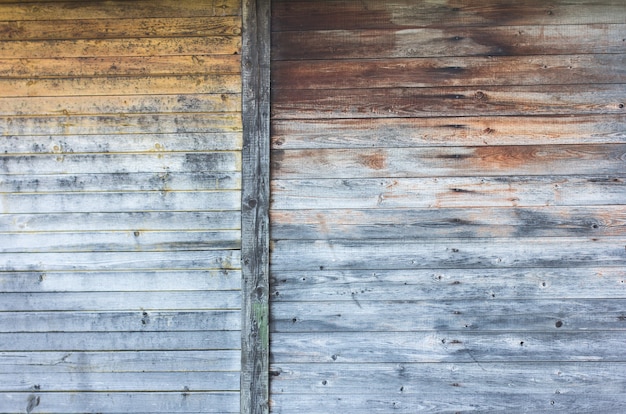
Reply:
x=448, y=213
x=120, y=188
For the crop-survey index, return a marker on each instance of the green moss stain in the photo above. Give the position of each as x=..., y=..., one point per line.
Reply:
x=261, y=317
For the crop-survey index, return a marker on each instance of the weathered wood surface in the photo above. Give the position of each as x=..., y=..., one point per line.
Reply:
x=120, y=232
x=255, y=194
x=403, y=14
x=458, y=284
x=457, y=222
x=447, y=192
x=447, y=206
x=452, y=41
x=180, y=401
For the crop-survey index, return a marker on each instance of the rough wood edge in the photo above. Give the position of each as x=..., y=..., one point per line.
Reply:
x=255, y=206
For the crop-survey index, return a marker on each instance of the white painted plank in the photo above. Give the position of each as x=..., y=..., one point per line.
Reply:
x=116, y=261
x=118, y=301
x=119, y=381
x=120, y=143
x=451, y=315
x=138, y=240
x=120, y=163
x=446, y=192
x=138, y=201
x=179, y=401
x=120, y=281
x=449, y=284
x=120, y=341
x=447, y=253
x=449, y=347
x=120, y=361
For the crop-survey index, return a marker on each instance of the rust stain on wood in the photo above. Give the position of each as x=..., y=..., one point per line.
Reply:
x=375, y=161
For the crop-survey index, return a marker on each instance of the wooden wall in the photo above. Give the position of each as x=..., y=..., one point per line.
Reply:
x=120, y=206
x=448, y=213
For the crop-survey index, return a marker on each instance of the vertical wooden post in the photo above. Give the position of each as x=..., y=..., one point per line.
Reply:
x=255, y=206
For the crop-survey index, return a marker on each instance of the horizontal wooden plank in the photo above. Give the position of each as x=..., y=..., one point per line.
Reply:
x=463, y=315
x=117, y=301
x=120, y=124
x=162, y=46
x=66, y=67
x=459, y=380
x=119, y=143
x=121, y=403
x=448, y=192
x=117, y=241
x=347, y=15
x=136, y=85
x=87, y=105
x=118, y=9
x=450, y=161
x=461, y=71
x=447, y=347
x=467, y=223
x=109, y=261
x=456, y=102
x=122, y=321
x=119, y=382
x=114, y=202
x=86, y=182
x=120, y=281
x=371, y=401
x=447, y=253
x=121, y=163
x=120, y=341
x=460, y=284
x=119, y=28
x=140, y=221
x=451, y=41
x=120, y=361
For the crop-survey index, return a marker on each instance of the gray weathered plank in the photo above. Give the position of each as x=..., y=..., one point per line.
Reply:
x=450, y=161
x=179, y=401
x=445, y=402
x=120, y=321
x=115, y=261
x=122, y=181
x=120, y=361
x=120, y=341
x=121, y=143
x=120, y=281
x=551, y=101
x=454, y=315
x=154, y=221
x=449, y=284
x=449, y=192
x=78, y=382
x=447, y=347
x=139, y=240
x=459, y=380
x=119, y=301
x=447, y=253
x=106, y=202
x=491, y=40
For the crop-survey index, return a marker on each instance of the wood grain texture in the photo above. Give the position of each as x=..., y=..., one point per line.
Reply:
x=255, y=204
x=123, y=402
x=404, y=14
x=452, y=41
x=548, y=160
